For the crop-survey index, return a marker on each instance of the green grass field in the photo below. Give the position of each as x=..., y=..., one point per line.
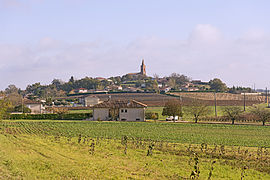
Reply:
x=94, y=150
x=240, y=135
x=80, y=111
x=186, y=116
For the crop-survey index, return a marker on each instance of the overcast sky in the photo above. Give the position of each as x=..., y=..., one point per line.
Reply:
x=45, y=39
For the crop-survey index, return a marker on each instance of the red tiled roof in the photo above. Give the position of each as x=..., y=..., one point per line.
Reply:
x=120, y=104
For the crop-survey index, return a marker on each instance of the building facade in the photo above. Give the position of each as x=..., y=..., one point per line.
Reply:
x=89, y=100
x=120, y=110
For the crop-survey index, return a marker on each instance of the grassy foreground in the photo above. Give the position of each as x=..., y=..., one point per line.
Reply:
x=97, y=150
x=237, y=135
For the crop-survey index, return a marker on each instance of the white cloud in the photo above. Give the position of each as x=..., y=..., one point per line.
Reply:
x=205, y=34
x=205, y=54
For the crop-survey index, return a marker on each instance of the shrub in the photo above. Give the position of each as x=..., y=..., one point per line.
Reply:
x=75, y=116
x=151, y=115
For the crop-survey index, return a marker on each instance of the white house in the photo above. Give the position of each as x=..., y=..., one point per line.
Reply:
x=89, y=100
x=81, y=90
x=36, y=107
x=122, y=110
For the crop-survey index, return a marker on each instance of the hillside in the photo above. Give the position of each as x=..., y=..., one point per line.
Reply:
x=153, y=99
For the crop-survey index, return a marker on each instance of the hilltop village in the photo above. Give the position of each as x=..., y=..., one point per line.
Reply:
x=89, y=91
x=140, y=82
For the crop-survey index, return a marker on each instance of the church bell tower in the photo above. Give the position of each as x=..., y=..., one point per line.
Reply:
x=143, y=71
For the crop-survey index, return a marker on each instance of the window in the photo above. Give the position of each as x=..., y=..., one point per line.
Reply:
x=125, y=110
x=122, y=110
x=138, y=119
x=123, y=119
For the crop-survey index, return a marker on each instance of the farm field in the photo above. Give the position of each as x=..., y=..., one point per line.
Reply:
x=223, y=99
x=99, y=150
x=46, y=149
x=154, y=99
x=158, y=109
x=219, y=96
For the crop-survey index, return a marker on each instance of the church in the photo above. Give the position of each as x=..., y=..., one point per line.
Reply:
x=141, y=73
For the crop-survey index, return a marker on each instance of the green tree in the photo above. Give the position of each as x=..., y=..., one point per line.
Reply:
x=5, y=105
x=57, y=83
x=22, y=108
x=232, y=112
x=176, y=80
x=217, y=85
x=261, y=112
x=197, y=109
x=173, y=108
x=11, y=89
x=71, y=80
x=15, y=99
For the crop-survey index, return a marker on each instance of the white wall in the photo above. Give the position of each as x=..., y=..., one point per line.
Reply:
x=35, y=108
x=91, y=101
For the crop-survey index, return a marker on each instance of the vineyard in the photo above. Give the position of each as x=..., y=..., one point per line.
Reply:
x=220, y=96
x=113, y=150
x=223, y=99
x=153, y=99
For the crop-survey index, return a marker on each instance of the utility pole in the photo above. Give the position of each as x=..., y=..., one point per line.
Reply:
x=266, y=95
x=22, y=105
x=215, y=103
x=244, y=101
x=267, y=98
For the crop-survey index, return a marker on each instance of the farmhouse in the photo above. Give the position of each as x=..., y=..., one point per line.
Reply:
x=89, y=100
x=36, y=107
x=122, y=110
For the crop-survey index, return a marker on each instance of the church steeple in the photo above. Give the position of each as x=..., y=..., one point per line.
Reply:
x=143, y=71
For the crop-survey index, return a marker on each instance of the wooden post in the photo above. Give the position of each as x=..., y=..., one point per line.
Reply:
x=244, y=101
x=22, y=105
x=215, y=104
x=266, y=95
x=267, y=98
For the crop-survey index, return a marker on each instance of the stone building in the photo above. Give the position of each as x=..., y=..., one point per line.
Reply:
x=89, y=100
x=119, y=110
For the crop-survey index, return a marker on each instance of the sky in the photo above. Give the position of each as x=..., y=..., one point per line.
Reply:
x=42, y=40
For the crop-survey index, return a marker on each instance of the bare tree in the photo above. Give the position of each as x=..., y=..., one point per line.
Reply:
x=114, y=113
x=197, y=109
x=261, y=112
x=232, y=112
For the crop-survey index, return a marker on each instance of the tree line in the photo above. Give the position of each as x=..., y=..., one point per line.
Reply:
x=197, y=109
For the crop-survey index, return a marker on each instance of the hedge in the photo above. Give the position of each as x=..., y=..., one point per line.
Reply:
x=75, y=116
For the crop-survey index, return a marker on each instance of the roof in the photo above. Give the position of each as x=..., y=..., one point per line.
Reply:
x=28, y=101
x=120, y=104
x=133, y=73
